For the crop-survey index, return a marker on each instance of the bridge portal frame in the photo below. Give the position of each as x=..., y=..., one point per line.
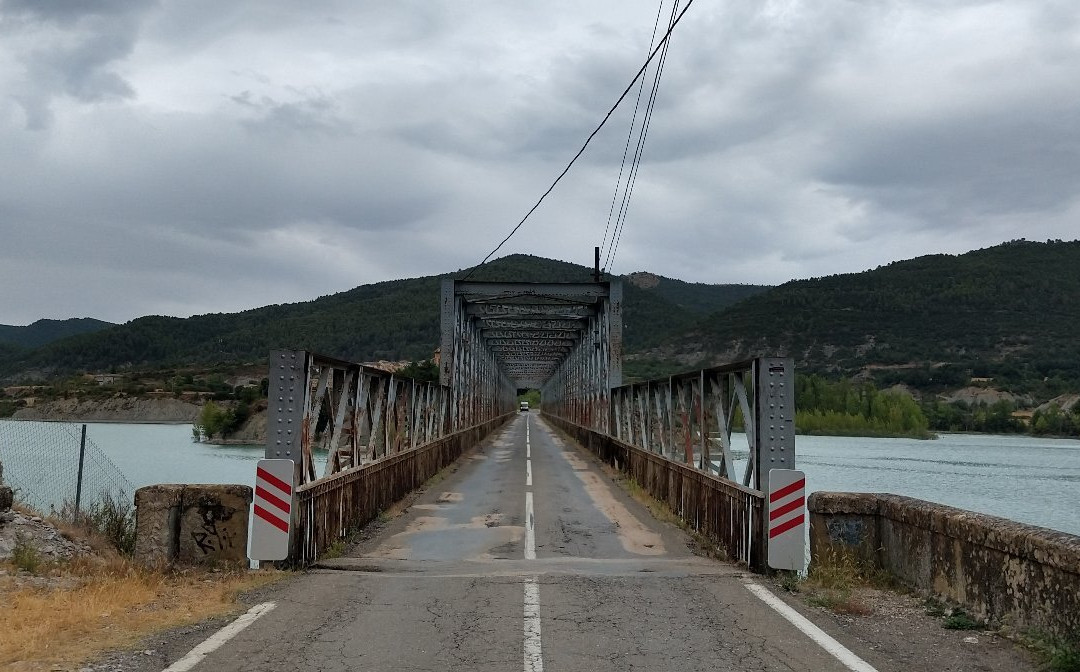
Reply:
x=538, y=335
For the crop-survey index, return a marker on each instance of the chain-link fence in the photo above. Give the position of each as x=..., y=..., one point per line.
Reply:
x=54, y=469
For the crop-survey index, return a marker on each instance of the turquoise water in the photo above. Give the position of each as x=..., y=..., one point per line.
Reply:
x=1027, y=479
x=41, y=459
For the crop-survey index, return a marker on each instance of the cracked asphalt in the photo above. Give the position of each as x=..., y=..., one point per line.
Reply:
x=441, y=586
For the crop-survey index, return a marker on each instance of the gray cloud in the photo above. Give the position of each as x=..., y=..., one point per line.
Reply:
x=69, y=48
x=191, y=157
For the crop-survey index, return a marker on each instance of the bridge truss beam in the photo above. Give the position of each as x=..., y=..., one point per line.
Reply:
x=356, y=413
x=692, y=418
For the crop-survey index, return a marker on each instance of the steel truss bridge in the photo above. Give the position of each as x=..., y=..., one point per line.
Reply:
x=384, y=434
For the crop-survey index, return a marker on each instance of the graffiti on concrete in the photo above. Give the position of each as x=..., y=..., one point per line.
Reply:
x=847, y=531
x=211, y=535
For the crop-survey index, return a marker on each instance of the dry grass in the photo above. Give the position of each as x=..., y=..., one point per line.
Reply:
x=837, y=582
x=92, y=605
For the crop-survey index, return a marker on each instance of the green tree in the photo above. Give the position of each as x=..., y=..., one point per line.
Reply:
x=213, y=420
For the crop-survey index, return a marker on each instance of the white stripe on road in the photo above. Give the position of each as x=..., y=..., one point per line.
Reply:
x=835, y=648
x=534, y=659
x=530, y=530
x=196, y=655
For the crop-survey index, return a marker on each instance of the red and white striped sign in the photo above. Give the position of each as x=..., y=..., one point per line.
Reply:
x=787, y=519
x=273, y=510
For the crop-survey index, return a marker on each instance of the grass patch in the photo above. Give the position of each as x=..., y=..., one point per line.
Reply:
x=1055, y=653
x=836, y=579
x=73, y=611
x=934, y=607
x=336, y=550
x=92, y=605
x=110, y=519
x=958, y=619
x=789, y=581
x=114, y=519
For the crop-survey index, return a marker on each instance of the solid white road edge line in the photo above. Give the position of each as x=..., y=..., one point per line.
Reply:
x=216, y=640
x=820, y=637
x=534, y=659
x=530, y=531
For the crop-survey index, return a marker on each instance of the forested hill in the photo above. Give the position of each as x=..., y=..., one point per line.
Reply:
x=393, y=320
x=1011, y=312
x=43, y=332
x=695, y=297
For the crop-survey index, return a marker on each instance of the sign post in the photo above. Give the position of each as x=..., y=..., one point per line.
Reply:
x=271, y=524
x=787, y=519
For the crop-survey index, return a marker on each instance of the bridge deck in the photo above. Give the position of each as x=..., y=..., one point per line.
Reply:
x=463, y=581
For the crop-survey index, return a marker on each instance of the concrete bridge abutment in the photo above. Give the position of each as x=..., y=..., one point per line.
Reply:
x=192, y=524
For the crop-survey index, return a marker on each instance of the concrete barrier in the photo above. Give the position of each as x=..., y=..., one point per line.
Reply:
x=1006, y=573
x=192, y=524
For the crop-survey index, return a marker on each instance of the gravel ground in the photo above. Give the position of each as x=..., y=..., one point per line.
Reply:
x=898, y=627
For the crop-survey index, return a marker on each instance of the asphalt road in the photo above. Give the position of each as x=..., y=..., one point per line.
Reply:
x=525, y=558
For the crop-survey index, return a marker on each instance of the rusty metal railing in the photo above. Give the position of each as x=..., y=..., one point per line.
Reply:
x=326, y=510
x=677, y=438
x=692, y=417
x=383, y=435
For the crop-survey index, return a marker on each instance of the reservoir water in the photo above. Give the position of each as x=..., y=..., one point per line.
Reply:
x=1028, y=479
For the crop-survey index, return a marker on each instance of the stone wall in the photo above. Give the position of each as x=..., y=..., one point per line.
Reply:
x=192, y=524
x=1007, y=573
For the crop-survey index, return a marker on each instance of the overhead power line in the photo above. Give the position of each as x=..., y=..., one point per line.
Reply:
x=639, y=149
x=589, y=139
x=630, y=134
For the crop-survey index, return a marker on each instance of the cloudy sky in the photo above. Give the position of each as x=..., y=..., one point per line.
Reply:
x=167, y=157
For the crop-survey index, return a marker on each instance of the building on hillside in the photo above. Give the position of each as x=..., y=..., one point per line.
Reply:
x=1023, y=416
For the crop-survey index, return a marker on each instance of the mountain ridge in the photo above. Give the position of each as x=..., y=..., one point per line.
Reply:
x=388, y=320
x=45, y=331
x=1008, y=312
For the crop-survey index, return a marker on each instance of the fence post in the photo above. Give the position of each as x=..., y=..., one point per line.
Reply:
x=78, y=483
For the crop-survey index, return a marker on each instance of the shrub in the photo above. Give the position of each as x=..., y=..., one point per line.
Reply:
x=961, y=620
x=25, y=555
x=114, y=519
